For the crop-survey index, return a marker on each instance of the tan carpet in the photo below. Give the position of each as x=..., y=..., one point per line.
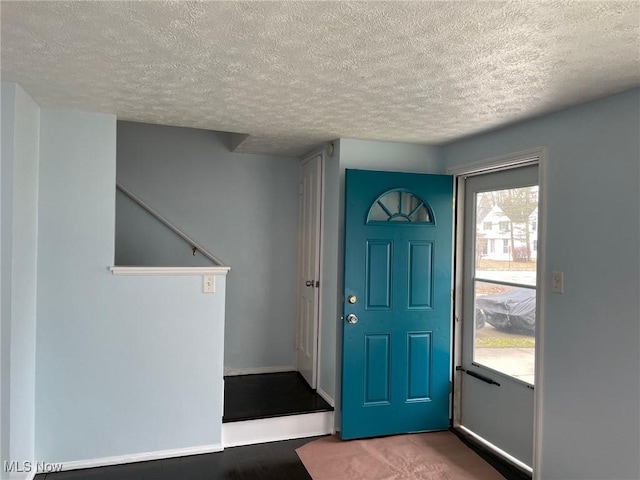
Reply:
x=430, y=456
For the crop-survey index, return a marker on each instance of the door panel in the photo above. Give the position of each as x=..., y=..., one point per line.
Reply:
x=378, y=290
x=309, y=269
x=420, y=274
x=419, y=349
x=396, y=357
x=377, y=363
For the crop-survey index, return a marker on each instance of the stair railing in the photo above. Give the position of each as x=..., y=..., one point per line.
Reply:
x=194, y=245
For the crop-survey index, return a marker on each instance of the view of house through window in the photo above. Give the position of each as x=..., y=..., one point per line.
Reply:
x=505, y=281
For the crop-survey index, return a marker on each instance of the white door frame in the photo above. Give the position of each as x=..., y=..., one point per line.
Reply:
x=318, y=256
x=460, y=173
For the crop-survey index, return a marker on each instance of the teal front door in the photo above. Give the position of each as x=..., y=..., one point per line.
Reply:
x=396, y=356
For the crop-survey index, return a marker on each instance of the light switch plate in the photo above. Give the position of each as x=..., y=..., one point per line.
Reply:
x=557, y=282
x=209, y=284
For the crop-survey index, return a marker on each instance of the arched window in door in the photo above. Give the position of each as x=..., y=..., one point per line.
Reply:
x=400, y=205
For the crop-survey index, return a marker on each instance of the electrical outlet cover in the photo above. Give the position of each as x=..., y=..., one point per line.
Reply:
x=209, y=284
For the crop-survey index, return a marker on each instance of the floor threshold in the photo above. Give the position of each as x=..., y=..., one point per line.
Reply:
x=275, y=415
x=273, y=429
x=506, y=468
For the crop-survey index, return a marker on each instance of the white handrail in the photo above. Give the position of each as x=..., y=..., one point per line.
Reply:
x=170, y=226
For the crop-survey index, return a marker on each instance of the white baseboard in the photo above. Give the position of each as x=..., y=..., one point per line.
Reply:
x=326, y=396
x=140, y=457
x=229, y=372
x=275, y=429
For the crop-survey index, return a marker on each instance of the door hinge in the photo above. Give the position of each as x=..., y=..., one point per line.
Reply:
x=300, y=189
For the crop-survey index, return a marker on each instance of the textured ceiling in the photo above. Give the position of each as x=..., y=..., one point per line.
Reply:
x=292, y=75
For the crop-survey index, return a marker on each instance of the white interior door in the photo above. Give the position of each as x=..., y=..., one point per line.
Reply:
x=499, y=309
x=309, y=268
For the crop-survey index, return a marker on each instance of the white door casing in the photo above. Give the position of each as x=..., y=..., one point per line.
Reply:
x=309, y=269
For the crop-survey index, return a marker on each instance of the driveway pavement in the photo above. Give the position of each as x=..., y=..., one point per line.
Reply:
x=515, y=361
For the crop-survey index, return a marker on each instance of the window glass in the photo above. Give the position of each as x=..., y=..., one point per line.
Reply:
x=400, y=206
x=505, y=280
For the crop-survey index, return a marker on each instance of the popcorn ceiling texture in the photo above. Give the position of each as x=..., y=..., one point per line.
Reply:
x=295, y=74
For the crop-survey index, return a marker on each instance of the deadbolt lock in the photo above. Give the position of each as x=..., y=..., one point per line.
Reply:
x=352, y=299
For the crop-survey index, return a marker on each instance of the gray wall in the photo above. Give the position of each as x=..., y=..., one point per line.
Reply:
x=590, y=426
x=20, y=134
x=141, y=239
x=244, y=210
x=125, y=365
x=366, y=155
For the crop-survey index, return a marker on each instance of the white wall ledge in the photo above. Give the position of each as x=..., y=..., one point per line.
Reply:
x=159, y=271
